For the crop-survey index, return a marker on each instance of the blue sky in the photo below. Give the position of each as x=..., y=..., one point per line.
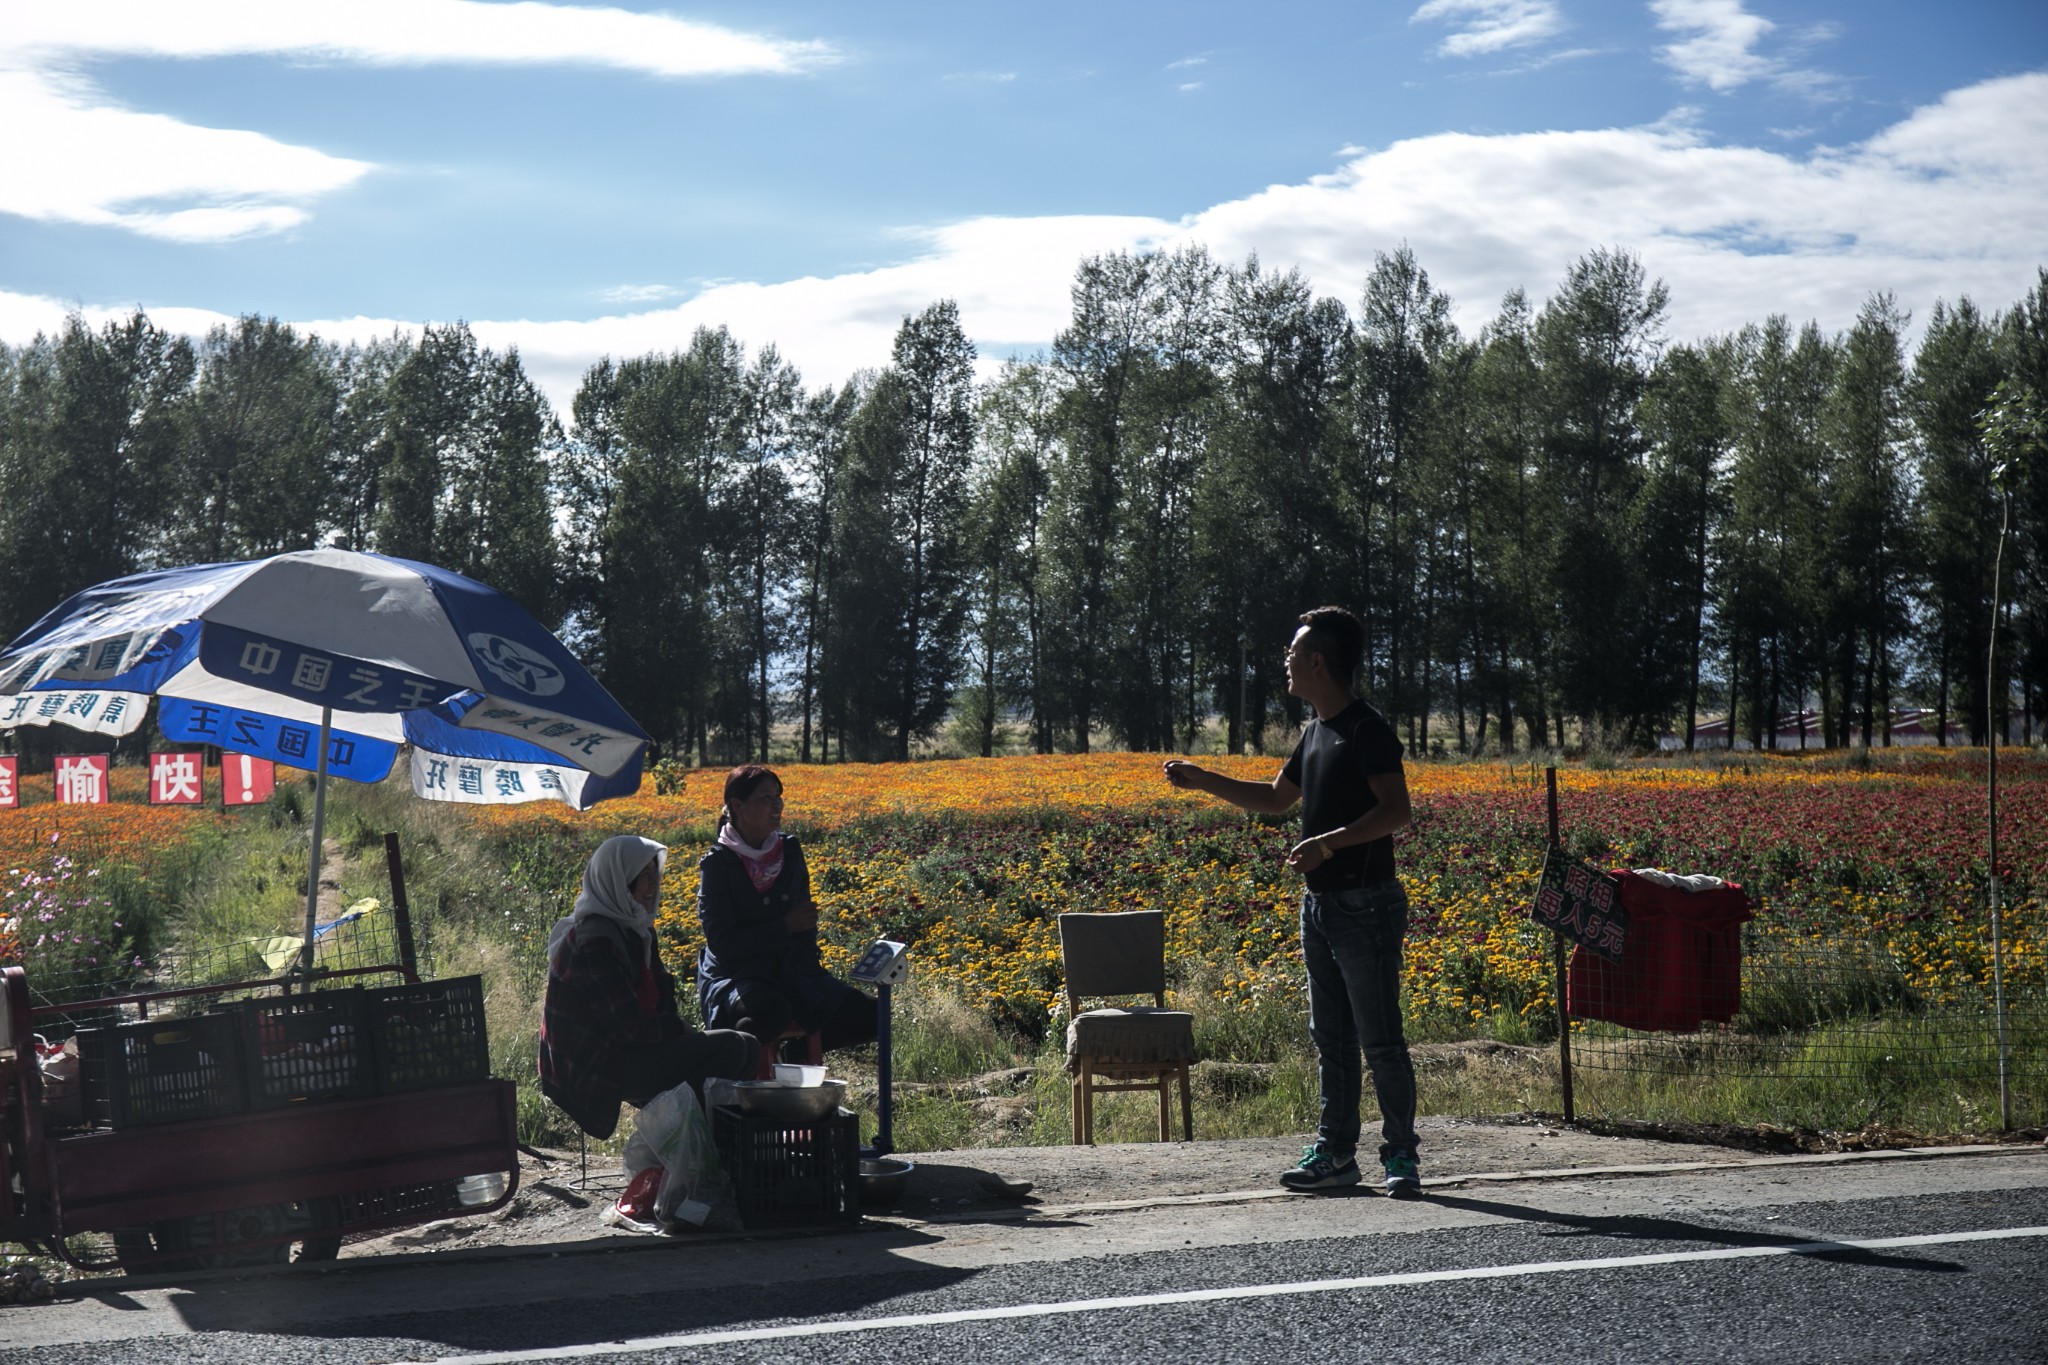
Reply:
x=580, y=180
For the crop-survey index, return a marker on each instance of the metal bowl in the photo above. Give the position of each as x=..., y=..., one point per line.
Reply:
x=800, y=1103
x=882, y=1179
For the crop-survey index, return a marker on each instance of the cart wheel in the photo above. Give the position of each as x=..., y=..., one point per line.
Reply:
x=169, y=1236
x=326, y=1214
x=220, y=1241
x=134, y=1249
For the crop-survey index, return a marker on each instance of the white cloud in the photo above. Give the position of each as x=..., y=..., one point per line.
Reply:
x=1491, y=25
x=638, y=293
x=402, y=32
x=1187, y=63
x=93, y=162
x=1555, y=57
x=1718, y=48
x=1947, y=202
x=1188, y=87
x=1718, y=51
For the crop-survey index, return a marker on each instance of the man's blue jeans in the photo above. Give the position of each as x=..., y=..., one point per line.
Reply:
x=1351, y=940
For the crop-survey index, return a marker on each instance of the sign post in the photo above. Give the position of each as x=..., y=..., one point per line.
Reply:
x=1564, y=1018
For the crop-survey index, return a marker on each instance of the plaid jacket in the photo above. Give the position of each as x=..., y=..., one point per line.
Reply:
x=593, y=1011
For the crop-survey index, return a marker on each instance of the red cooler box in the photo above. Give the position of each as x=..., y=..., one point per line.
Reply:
x=1682, y=966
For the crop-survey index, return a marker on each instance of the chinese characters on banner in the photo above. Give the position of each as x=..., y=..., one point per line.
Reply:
x=96, y=712
x=484, y=782
x=10, y=782
x=321, y=679
x=176, y=779
x=246, y=781
x=1583, y=903
x=81, y=779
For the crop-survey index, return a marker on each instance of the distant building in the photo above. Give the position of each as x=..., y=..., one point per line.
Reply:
x=1798, y=730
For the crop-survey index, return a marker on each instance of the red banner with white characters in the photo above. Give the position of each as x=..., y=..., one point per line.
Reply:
x=177, y=779
x=10, y=782
x=246, y=781
x=81, y=779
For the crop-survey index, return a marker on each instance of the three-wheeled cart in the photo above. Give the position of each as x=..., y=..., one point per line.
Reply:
x=297, y=1168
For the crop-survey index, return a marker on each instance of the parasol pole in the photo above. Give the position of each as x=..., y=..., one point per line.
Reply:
x=313, y=858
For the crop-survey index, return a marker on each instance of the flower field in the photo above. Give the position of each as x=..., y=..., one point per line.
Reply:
x=971, y=860
x=1866, y=973
x=52, y=903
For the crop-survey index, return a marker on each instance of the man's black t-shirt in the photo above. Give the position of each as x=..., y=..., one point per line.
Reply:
x=1330, y=764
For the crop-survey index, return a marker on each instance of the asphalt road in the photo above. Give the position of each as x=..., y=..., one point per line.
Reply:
x=1902, y=1260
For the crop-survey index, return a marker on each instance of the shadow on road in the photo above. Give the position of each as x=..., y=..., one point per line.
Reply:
x=1639, y=1229
x=579, y=1296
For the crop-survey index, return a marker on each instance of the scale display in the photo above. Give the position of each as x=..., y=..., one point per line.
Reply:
x=886, y=963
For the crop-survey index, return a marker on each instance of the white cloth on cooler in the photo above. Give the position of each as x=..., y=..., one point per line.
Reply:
x=1698, y=881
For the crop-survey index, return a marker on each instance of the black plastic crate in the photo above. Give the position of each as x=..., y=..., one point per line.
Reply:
x=161, y=1071
x=787, y=1174
x=313, y=1046
x=429, y=1033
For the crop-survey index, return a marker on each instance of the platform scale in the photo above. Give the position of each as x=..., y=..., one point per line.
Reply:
x=885, y=964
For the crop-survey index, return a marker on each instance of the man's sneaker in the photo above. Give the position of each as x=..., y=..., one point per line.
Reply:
x=1404, y=1177
x=1319, y=1170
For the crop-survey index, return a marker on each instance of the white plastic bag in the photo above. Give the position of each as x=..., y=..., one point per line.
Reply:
x=63, y=1097
x=673, y=1132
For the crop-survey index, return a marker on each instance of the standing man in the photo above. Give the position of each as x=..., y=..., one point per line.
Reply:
x=1346, y=771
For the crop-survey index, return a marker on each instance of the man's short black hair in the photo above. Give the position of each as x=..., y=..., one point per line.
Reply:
x=1339, y=637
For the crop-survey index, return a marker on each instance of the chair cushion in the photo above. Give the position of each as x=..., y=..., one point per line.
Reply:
x=1131, y=1037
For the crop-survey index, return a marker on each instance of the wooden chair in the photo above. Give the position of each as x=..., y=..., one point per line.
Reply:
x=1113, y=1049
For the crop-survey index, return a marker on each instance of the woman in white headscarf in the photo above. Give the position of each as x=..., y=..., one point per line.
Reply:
x=610, y=1031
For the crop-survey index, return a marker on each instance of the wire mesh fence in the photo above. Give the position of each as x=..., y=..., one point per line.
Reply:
x=1803, y=1031
x=71, y=990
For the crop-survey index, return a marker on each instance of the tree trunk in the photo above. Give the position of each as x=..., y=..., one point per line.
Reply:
x=1941, y=705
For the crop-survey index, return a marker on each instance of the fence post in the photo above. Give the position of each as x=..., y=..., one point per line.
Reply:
x=401, y=909
x=1992, y=733
x=1557, y=964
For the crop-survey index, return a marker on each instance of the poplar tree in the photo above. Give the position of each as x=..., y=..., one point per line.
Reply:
x=904, y=555
x=1100, y=354
x=1513, y=522
x=1867, y=573
x=2026, y=351
x=1595, y=342
x=1675, y=520
x=1271, y=508
x=1955, y=371
x=1019, y=427
x=92, y=435
x=252, y=477
x=763, y=548
x=822, y=439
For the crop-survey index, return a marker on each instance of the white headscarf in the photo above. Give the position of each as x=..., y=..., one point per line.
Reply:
x=605, y=881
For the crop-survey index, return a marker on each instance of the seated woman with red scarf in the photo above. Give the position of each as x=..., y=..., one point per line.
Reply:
x=609, y=1026
x=759, y=969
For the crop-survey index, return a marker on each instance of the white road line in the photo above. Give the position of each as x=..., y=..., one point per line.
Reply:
x=1254, y=1291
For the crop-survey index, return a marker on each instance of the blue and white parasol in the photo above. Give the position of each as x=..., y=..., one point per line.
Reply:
x=330, y=660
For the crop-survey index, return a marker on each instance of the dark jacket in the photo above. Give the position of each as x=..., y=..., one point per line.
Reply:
x=745, y=938
x=593, y=1012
